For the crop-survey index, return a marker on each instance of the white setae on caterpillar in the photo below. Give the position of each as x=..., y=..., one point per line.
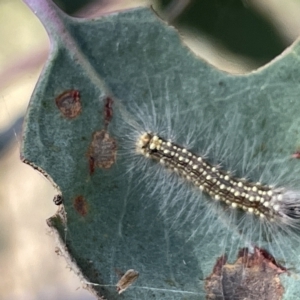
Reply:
x=214, y=172
x=276, y=204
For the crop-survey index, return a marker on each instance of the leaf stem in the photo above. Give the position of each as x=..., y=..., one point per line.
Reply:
x=49, y=14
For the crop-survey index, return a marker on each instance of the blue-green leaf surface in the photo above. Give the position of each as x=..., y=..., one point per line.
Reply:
x=124, y=64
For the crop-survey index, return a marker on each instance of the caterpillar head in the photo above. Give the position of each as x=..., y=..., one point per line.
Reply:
x=289, y=208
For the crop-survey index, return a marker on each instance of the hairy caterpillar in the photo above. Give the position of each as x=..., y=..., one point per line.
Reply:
x=185, y=166
x=277, y=204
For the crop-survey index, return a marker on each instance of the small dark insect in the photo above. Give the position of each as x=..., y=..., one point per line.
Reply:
x=58, y=200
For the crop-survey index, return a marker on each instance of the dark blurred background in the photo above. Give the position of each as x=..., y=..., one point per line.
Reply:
x=233, y=35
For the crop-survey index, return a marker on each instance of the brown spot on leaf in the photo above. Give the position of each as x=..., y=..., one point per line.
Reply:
x=81, y=205
x=91, y=165
x=296, y=154
x=253, y=276
x=69, y=103
x=108, y=111
x=102, y=151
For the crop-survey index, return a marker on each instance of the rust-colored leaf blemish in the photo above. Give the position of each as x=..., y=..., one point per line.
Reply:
x=252, y=276
x=218, y=267
x=91, y=165
x=108, y=111
x=102, y=151
x=296, y=154
x=69, y=103
x=80, y=205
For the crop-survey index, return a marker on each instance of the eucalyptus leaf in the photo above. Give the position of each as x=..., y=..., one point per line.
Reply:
x=110, y=220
